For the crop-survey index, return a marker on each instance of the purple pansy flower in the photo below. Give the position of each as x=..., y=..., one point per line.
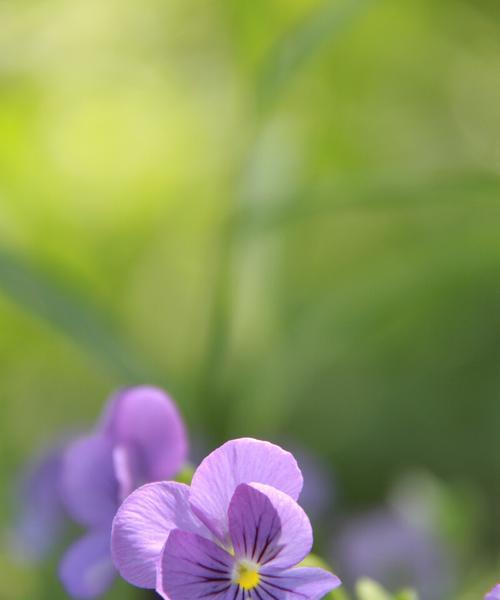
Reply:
x=236, y=533
x=141, y=438
x=493, y=594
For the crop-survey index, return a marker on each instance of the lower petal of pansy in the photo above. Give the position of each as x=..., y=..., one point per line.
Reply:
x=192, y=566
x=301, y=583
x=86, y=570
x=268, y=527
x=240, y=461
x=142, y=526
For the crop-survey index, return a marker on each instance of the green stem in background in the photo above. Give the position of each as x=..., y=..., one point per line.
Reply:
x=209, y=387
x=301, y=44
x=289, y=55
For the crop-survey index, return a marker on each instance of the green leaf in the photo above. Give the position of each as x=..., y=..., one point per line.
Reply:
x=366, y=589
x=186, y=475
x=313, y=560
x=406, y=595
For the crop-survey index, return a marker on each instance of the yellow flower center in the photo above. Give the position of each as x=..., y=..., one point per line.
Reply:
x=247, y=575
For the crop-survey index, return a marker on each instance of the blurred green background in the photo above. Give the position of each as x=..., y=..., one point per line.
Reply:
x=286, y=212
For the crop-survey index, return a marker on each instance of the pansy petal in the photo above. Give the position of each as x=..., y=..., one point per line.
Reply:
x=41, y=518
x=254, y=525
x=240, y=461
x=192, y=566
x=88, y=484
x=86, y=570
x=268, y=527
x=142, y=525
x=493, y=594
x=301, y=583
x=127, y=470
x=146, y=421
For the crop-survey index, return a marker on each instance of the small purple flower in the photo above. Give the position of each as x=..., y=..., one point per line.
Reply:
x=236, y=533
x=382, y=545
x=493, y=594
x=141, y=438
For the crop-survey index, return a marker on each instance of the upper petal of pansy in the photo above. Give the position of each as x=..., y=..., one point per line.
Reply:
x=192, y=566
x=240, y=461
x=142, y=526
x=147, y=423
x=493, y=594
x=268, y=527
x=86, y=570
x=88, y=483
x=301, y=583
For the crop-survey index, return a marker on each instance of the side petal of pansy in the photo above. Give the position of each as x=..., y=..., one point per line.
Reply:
x=147, y=424
x=297, y=584
x=268, y=527
x=142, y=525
x=86, y=570
x=88, y=481
x=493, y=594
x=238, y=461
x=192, y=566
x=41, y=516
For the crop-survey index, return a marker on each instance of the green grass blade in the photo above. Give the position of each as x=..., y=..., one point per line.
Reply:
x=300, y=45
x=69, y=312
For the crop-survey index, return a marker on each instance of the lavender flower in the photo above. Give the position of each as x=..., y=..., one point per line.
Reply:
x=236, y=533
x=141, y=438
x=385, y=547
x=493, y=594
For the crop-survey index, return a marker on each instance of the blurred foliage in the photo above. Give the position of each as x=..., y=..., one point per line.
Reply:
x=284, y=211
x=370, y=590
